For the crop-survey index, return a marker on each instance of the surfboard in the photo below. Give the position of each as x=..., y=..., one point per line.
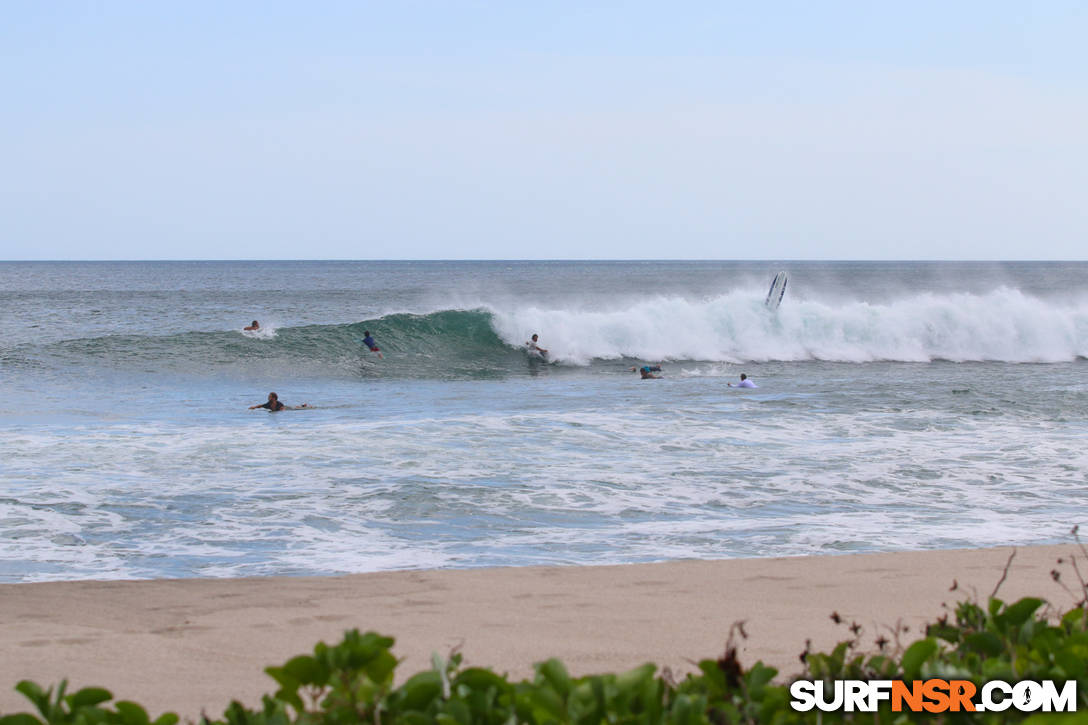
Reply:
x=777, y=291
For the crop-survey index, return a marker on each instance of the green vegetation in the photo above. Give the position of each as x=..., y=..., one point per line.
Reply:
x=353, y=681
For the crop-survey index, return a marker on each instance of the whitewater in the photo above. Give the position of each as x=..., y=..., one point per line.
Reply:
x=901, y=406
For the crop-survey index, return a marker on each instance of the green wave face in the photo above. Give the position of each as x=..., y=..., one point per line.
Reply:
x=450, y=344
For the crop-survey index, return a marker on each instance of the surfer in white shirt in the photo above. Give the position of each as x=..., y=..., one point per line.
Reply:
x=744, y=383
x=532, y=346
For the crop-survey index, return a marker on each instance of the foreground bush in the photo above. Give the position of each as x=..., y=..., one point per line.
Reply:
x=352, y=682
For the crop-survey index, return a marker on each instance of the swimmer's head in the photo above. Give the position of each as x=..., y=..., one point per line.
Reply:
x=273, y=396
x=534, y=337
x=366, y=332
x=743, y=376
x=255, y=323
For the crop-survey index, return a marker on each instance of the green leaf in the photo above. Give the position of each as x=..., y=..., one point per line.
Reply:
x=916, y=655
x=36, y=695
x=555, y=674
x=630, y=683
x=414, y=718
x=1074, y=665
x=998, y=669
x=288, y=691
x=545, y=706
x=420, y=691
x=132, y=714
x=285, y=679
x=21, y=718
x=380, y=667
x=838, y=656
x=1018, y=613
x=457, y=713
x=884, y=666
x=89, y=696
x=687, y=710
x=946, y=632
x=478, y=678
x=758, y=677
x=307, y=671
x=987, y=643
x=1075, y=618
x=167, y=718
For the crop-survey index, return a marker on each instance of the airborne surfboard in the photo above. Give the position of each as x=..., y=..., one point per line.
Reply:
x=777, y=291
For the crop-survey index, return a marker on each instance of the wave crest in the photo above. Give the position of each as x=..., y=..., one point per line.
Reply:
x=1003, y=325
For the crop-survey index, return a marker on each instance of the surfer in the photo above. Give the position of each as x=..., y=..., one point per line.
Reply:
x=532, y=346
x=274, y=404
x=373, y=346
x=253, y=327
x=647, y=371
x=744, y=382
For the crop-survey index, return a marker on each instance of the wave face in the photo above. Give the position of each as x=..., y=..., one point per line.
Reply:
x=1004, y=325
x=445, y=344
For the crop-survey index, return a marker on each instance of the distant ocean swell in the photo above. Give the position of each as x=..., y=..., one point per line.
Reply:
x=1004, y=326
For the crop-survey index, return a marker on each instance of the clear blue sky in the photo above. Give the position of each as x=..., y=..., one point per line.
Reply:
x=403, y=130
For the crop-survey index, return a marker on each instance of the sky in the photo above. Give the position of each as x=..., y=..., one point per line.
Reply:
x=566, y=130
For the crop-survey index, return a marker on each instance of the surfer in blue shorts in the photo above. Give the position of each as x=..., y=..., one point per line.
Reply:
x=373, y=346
x=744, y=383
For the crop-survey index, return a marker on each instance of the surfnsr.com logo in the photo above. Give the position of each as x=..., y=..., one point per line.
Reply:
x=933, y=695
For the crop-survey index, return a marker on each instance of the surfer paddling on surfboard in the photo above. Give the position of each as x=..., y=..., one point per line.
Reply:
x=744, y=383
x=534, y=349
x=647, y=371
x=253, y=327
x=274, y=405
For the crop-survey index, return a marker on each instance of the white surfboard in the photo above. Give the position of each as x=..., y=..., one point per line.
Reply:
x=777, y=291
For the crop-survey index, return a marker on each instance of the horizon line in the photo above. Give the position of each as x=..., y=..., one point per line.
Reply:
x=540, y=259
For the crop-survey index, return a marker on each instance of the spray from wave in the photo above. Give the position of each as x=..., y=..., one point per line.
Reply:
x=1004, y=325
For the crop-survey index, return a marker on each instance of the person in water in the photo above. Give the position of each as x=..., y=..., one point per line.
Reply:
x=274, y=404
x=647, y=372
x=648, y=368
x=532, y=345
x=373, y=346
x=253, y=327
x=744, y=382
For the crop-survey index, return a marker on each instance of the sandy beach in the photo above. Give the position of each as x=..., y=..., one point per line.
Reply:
x=188, y=645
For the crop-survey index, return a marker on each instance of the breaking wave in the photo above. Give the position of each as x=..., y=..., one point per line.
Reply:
x=1004, y=325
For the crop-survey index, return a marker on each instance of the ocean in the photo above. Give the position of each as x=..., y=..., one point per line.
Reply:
x=900, y=406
